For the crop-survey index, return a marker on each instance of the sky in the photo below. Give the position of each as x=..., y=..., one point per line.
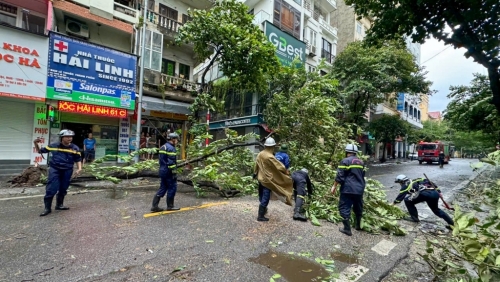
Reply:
x=447, y=68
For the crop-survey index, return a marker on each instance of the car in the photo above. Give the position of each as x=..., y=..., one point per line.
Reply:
x=413, y=156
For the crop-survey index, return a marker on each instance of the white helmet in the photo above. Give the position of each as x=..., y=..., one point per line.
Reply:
x=305, y=170
x=270, y=142
x=401, y=178
x=66, y=132
x=351, y=148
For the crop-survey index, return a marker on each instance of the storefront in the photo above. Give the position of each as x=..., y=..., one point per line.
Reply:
x=93, y=89
x=242, y=125
x=22, y=94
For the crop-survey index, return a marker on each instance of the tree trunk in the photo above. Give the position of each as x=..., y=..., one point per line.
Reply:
x=494, y=77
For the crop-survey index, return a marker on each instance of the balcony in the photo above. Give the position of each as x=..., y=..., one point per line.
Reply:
x=125, y=13
x=327, y=27
x=260, y=17
x=414, y=121
x=164, y=24
x=329, y=5
x=179, y=83
x=329, y=57
x=307, y=8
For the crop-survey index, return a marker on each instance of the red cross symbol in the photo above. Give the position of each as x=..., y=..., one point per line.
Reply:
x=61, y=46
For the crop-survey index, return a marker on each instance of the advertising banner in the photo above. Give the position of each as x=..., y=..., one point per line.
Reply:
x=23, y=64
x=287, y=47
x=123, y=138
x=401, y=102
x=82, y=72
x=41, y=129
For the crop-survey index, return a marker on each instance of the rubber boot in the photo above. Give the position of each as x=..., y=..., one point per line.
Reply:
x=60, y=203
x=412, y=218
x=156, y=201
x=170, y=205
x=448, y=219
x=358, y=223
x=347, y=228
x=298, y=215
x=262, y=211
x=48, y=206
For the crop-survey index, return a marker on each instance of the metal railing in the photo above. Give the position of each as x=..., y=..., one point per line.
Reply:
x=179, y=83
x=165, y=22
x=125, y=10
x=328, y=56
x=331, y=29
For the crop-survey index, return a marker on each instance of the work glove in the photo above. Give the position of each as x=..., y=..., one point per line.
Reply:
x=254, y=176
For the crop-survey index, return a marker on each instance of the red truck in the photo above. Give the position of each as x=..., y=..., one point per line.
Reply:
x=429, y=151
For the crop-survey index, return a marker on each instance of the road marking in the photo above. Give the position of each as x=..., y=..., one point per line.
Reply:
x=352, y=273
x=185, y=209
x=43, y=195
x=384, y=247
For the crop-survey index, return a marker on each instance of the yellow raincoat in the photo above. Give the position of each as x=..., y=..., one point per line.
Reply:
x=272, y=174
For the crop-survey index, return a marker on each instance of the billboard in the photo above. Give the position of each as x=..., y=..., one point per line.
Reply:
x=287, y=47
x=83, y=72
x=401, y=102
x=23, y=59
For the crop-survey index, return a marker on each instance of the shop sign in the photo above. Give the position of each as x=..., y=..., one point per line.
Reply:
x=165, y=115
x=287, y=47
x=401, y=102
x=79, y=71
x=41, y=129
x=88, y=109
x=235, y=122
x=22, y=64
x=123, y=138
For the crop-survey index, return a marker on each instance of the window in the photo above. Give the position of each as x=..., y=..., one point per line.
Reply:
x=33, y=23
x=169, y=12
x=184, y=71
x=153, y=51
x=185, y=18
x=168, y=67
x=22, y=18
x=312, y=37
x=287, y=18
x=359, y=28
x=326, y=51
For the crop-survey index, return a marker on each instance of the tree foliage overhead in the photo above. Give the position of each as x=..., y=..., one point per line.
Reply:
x=368, y=75
x=386, y=128
x=470, y=108
x=474, y=24
x=225, y=34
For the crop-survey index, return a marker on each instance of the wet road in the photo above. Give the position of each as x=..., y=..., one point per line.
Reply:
x=104, y=237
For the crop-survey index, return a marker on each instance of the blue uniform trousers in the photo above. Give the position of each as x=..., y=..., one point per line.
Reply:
x=264, y=195
x=348, y=201
x=58, y=182
x=168, y=185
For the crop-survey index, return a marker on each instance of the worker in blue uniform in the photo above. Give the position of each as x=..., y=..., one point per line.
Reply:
x=351, y=177
x=64, y=156
x=302, y=186
x=283, y=157
x=168, y=175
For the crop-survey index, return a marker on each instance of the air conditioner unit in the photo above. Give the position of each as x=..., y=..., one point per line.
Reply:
x=77, y=28
x=312, y=50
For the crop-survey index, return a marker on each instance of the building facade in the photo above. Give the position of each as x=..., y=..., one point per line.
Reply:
x=307, y=25
x=23, y=78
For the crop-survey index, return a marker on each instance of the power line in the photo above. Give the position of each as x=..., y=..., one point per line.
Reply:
x=436, y=54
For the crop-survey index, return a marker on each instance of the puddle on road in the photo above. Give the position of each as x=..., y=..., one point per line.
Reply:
x=345, y=258
x=117, y=194
x=292, y=268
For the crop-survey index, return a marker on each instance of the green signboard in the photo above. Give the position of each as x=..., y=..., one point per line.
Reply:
x=287, y=47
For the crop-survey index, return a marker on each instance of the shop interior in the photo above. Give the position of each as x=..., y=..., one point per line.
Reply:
x=106, y=137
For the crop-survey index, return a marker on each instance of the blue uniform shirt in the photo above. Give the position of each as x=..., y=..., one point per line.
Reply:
x=283, y=158
x=63, y=157
x=351, y=176
x=89, y=144
x=167, y=157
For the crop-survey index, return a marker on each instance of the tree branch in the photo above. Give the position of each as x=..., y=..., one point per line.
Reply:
x=214, y=59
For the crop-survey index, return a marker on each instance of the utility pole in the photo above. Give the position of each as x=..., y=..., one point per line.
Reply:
x=141, y=85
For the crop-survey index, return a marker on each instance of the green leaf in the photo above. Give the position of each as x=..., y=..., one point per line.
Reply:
x=276, y=276
x=315, y=221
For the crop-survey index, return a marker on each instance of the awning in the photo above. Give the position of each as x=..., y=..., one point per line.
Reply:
x=167, y=106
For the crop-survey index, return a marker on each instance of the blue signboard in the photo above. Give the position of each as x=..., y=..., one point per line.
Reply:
x=83, y=72
x=401, y=102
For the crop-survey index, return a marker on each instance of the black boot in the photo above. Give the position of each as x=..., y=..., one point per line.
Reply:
x=347, y=228
x=170, y=205
x=156, y=201
x=358, y=223
x=298, y=210
x=48, y=206
x=60, y=203
x=412, y=218
x=262, y=211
